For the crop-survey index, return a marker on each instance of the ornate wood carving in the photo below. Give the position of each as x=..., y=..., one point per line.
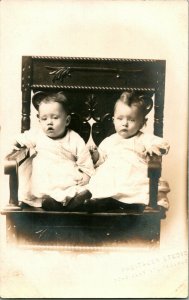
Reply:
x=92, y=59
x=81, y=87
x=59, y=73
x=93, y=116
x=81, y=117
x=91, y=107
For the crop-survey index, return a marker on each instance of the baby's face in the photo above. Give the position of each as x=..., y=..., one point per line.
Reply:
x=53, y=119
x=128, y=120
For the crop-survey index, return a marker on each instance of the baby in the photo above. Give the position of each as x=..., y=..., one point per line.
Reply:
x=62, y=165
x=121, y=158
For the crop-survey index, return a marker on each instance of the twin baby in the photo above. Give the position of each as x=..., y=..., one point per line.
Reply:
x=67, y=175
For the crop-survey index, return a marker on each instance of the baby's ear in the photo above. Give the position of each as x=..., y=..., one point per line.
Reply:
x=68, y=120
x=37, y=116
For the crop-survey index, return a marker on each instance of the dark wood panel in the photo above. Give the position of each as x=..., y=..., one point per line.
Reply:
x=82, y=229
x=95, y=73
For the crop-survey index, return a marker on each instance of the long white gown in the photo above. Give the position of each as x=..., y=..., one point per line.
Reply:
x=55, y=168
x=121, y=171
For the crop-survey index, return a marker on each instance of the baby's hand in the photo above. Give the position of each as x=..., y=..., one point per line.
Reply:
x=158, y=150
x=17, y=146
x=94, y=153
x=85, y=179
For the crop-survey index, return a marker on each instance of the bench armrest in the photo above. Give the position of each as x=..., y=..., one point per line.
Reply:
x=11, y=164
x=16, y=157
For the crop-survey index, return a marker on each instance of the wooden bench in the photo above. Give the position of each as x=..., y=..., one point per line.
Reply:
x=93, y=85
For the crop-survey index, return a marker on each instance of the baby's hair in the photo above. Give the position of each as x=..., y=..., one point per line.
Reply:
x=143, y=102
x=41, y=97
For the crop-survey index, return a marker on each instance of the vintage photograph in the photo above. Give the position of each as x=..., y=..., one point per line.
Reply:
x=94, y=103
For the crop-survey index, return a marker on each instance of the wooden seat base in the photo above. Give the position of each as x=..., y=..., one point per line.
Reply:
x=34, y=226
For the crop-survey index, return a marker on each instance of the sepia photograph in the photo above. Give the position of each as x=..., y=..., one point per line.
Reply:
x=94, y=129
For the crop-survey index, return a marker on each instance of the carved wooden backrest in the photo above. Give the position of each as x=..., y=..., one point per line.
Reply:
x=93, y=85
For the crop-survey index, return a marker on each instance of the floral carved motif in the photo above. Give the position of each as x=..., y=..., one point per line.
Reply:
x=60, y=73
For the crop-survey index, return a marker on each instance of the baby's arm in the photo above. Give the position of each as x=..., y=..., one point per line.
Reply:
x=155, y=145
x=17, y=146
x=87, y=156
x=94, y=154
x=84, y=161
x=159, y=150
x=26, y=139
x=84, y=180
x=99, y=155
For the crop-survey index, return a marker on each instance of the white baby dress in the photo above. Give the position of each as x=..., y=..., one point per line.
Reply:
x=122, y=168
x=55, y=167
